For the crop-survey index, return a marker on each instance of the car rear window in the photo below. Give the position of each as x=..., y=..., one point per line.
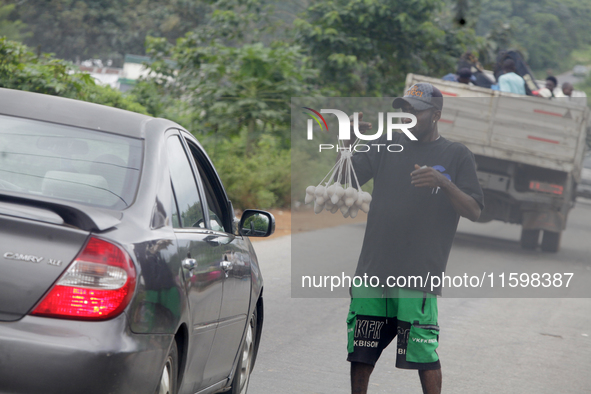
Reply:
x=68, y=163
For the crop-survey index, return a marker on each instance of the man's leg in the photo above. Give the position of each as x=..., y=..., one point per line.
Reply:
x=418, y=338
x=371, y=326
x=360, y=373
x=431, y=381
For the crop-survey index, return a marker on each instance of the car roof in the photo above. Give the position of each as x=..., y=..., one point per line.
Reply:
x=72, y=112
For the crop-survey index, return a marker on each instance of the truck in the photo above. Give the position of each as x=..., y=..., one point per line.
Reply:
x=528, y=151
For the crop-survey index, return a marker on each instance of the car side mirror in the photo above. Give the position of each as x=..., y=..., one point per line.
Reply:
x=256, y=223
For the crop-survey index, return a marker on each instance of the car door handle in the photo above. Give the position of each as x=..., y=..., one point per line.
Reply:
x=189, y=264
x=227, y=265
x=212, y=240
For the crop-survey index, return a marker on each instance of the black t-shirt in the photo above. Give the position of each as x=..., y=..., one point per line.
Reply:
x=410, y=229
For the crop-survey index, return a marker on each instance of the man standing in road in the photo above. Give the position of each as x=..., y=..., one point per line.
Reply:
x=419, y=195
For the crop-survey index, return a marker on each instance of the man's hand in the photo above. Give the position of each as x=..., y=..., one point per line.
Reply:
x=427, y=177
x=463, y=204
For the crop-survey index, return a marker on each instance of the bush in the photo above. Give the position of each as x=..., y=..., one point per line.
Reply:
x=21, y=69
x=260, y=180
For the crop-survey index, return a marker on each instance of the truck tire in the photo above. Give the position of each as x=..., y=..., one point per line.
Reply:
x=551, y=241
x=529, y=239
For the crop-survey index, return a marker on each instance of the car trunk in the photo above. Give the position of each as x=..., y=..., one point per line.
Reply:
x=35, y=249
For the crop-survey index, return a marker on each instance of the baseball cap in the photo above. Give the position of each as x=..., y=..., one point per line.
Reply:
x=421, y=96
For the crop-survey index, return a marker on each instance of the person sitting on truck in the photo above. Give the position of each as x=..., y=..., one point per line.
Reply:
x=510, y=81
x=450, y=77
x=576, y=96
x=551, y=84
x=465, y=76
x=478, y=77
x=550, y=90
x=462, y=75
x=482, y=80
x=567, y=89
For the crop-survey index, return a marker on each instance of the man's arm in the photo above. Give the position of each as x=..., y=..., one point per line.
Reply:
x=463, y=204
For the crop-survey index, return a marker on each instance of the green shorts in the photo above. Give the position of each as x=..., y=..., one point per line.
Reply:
x=376, y=317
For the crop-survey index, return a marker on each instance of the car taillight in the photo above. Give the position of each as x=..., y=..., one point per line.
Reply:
x=98, y=285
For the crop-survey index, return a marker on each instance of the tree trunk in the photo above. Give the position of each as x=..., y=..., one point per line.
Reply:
x=250, y=137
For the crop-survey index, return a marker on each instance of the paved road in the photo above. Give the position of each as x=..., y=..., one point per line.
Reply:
x=488, y=345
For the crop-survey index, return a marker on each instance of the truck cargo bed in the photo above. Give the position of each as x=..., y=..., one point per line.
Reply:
x=523, y=129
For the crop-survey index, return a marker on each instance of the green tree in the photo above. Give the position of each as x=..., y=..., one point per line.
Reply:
x=229, y=82
x=11, y=28
x=366, y=47
x=24, y=70
x=105, y=29
x=545, y=31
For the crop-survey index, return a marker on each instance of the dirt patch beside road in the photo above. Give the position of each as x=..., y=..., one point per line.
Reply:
x=307, y=220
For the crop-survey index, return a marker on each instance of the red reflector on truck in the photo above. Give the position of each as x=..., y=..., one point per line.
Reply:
x=531, y=137
x=541, y=111
x=545, y=187
x=98, y=285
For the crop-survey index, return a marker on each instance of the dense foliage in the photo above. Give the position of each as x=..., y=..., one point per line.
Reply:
x=233, y=92
x=22, y=69
x=12, y=29
x=104, y=29
x=366, y=47
x=546, y=31
x=260, y=180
